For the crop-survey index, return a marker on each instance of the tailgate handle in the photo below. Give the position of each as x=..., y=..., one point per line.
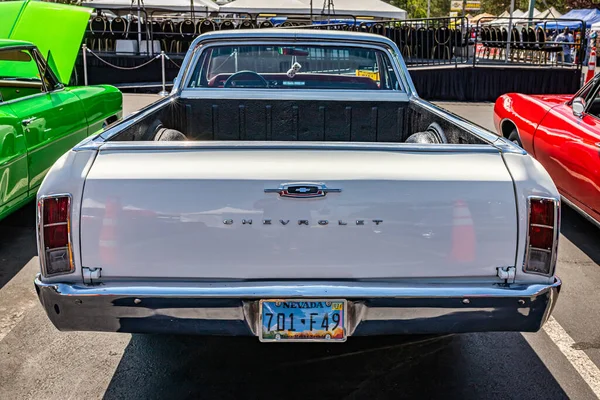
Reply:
x=303, y=190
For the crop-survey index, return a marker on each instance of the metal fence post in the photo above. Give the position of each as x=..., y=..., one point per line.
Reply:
x=85, y=78
x=163, y=92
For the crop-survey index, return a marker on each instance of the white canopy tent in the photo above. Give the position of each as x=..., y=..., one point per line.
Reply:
x=170, y=5
x=548, y=14
x=265, y=7
x=505, y=19
x=358, y=8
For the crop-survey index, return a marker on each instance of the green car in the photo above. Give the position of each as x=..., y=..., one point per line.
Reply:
x=41, y=118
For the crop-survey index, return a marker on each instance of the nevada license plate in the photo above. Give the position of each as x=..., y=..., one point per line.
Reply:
x=303, y=320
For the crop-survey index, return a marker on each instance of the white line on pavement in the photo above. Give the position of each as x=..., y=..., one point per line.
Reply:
x=578, y=358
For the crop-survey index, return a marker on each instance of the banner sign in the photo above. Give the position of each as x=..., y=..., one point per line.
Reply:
x=473, y=5
x=456, y=5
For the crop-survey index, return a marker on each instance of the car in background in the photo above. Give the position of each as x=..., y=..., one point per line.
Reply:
x=562, y=132
x=40, y=116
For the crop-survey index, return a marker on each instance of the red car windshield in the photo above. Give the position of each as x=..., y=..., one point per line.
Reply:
x=294, y=67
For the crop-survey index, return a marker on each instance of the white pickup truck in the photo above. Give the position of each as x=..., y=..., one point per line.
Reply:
x=293, y=186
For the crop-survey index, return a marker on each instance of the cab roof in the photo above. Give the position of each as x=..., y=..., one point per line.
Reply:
x=294, y=35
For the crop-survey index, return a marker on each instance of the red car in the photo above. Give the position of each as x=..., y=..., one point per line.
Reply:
x=563, y=133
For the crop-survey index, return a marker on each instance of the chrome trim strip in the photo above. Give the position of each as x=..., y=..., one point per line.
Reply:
x=40, y=233
x=580, y=211
x=556, y=234
x=300, y=289
x=542, y=226
x=55, y=224
x=506, y=146
x=292, y=34
x=259, y=145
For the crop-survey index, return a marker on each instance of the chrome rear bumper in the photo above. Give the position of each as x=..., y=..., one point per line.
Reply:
x=232, y=308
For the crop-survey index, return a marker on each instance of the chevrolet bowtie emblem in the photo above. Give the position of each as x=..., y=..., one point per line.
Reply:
x=303, y=190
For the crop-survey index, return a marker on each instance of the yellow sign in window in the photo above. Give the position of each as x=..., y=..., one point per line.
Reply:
x=368, y=74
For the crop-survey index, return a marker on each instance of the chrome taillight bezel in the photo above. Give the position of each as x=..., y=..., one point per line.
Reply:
x=555, y=236
x=40, y=228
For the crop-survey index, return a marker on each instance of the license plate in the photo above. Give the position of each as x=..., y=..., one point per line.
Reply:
x=303, y=320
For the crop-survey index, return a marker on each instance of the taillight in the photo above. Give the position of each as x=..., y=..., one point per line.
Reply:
x=54, y=224
x=542, y=237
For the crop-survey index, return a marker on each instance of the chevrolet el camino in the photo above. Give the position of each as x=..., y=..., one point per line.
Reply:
x=294, y=187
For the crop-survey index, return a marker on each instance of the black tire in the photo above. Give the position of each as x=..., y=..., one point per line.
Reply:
x=514, y=137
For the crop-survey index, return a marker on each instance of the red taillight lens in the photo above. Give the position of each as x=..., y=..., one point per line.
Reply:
x=56, y=210
x=54, y=240
x=56, y=236
x=542, y=212
x=542, y=236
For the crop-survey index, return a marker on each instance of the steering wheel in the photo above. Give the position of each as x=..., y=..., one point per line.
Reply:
x=253, y=76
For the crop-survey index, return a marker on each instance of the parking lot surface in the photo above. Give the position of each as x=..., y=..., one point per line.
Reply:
x=560, y=361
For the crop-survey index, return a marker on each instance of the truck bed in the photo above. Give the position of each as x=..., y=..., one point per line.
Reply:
x=295, y=120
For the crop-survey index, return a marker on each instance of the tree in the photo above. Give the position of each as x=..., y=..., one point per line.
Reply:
x=441, y=8
x=574, y=4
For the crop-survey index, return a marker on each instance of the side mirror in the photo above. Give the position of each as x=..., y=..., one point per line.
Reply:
x=578, y=106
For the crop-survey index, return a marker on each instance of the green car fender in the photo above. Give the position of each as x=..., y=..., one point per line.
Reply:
x=13, y=162
x=102, y=104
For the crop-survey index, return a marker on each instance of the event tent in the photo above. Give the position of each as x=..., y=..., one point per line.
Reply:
x=505, y=17
x=520, y=17
x=264, y=6
x=486, y=18
x=588, y=16
x=358, y=8
x=170, y=5
x=548, y=14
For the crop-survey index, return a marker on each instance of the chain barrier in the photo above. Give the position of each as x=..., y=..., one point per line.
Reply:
x=123, y=68
x=172, y=62
x=160, y=56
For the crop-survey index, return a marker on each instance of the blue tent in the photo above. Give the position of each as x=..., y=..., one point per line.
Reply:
x=588, y=16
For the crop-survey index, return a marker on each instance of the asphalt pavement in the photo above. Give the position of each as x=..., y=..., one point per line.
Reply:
x=560, y=361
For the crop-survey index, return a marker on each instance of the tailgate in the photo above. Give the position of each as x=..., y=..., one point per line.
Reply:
x=214, y=213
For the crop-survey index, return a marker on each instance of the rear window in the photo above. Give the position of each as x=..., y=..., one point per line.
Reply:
x=294, y=67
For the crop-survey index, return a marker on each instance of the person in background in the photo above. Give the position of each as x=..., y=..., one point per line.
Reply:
x=590, y=40
x=567, y=38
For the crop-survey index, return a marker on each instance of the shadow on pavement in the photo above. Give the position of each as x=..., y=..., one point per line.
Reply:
x=17, y=242
x=471, y=366
x=581, y=232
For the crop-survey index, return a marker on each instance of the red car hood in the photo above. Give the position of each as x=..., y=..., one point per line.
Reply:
x=553, y=99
